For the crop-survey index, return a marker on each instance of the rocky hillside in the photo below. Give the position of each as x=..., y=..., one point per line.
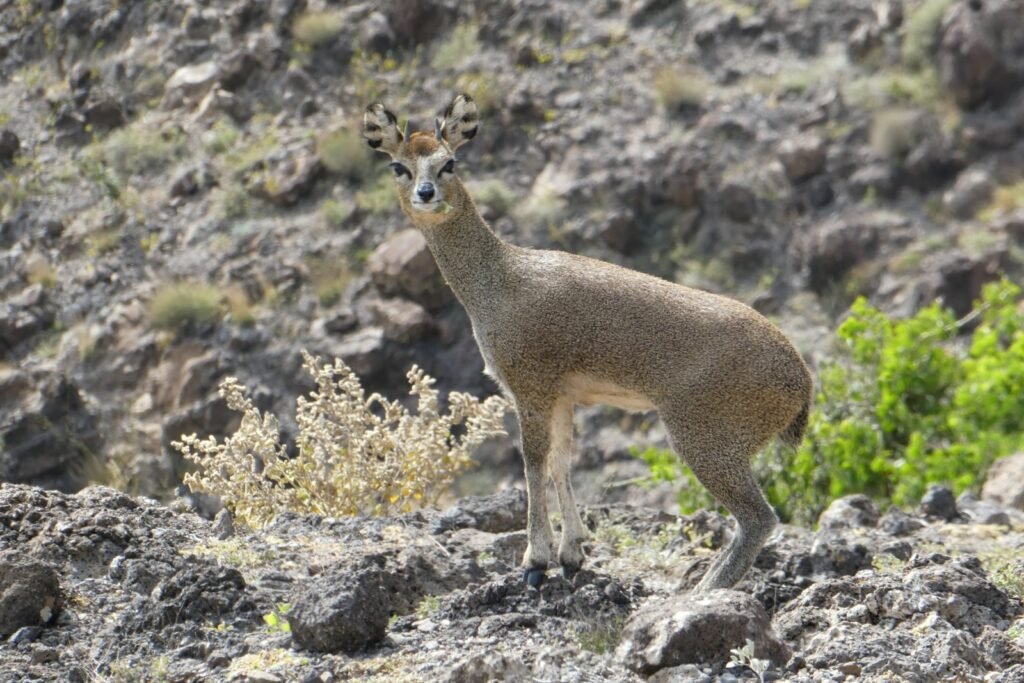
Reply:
x=183, y=194
x=100, y=586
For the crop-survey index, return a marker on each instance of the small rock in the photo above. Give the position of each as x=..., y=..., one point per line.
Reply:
x=342, y=611
x=834, y=247
x=403, y=321
x=618, y=230
x=404, y=265
x=25, y=634
x=678, y=179
x=341, y=321
x=189, y=82
x=972, y=190
x=497, y=513
x=30, y=593
x=1004, y=483
x=738, y=202
x=219, y=101
x=483, y=667
x=863, y=42
x=982, y=511
x=104, y=114
x=878, y=179
x=802, y=156
x=223, y=525
x=697, y=629
x=236, y=69
x=849, y=512
x=365, y=351
x=9, y=146
x=899, y=523
x=939, y=501
x=294, y=182
x=24, y=315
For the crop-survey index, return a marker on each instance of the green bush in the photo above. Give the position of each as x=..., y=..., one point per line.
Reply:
x=907, y=404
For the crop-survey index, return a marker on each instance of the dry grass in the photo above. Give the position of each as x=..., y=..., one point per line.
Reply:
x=1005, y=200
x=317, y=28
x=680, y=88
x=344, y=152
x=921, y=31
x=894, y=132
x=179, y=303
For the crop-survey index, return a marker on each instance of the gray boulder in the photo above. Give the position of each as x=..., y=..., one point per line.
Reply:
x=802, y=156
x=343, y=611
x=697, y=629
x=498, y=513
x=981, y=54
x=849, y=512
x=48, y=435
x=403, y=265
x=1005, y=482
x=30, y=593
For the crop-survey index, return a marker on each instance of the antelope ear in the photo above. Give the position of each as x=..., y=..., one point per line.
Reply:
x=380, y=129
x=459, y=123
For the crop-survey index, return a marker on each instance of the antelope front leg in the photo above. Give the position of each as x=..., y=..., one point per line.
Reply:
x=536, y=438
x=570, y=550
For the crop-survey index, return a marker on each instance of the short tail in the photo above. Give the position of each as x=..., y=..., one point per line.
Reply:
x=794, y=433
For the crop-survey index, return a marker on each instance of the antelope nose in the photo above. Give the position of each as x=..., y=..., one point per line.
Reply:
x=425, y=191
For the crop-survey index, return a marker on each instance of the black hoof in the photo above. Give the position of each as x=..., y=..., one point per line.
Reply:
x=534, y=577
x=570, y=572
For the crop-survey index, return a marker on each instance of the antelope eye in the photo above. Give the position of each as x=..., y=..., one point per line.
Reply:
x=449, y=167
x=400, y=170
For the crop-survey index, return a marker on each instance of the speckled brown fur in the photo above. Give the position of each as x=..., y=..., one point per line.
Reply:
x=557, y=329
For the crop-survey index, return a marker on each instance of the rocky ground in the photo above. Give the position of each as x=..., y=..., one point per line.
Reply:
x=183, y=194
x=102, y=586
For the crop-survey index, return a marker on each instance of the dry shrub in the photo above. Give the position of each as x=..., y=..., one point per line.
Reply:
x=355, y=454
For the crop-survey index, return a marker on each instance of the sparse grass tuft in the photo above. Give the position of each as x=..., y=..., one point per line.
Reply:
x=543, y=207
x=336, y=212
x=460, y=44
x=179, y=303
x=379, y=197
x=894, y=132
x=103, y=242
x=493, y=193
x=678, y=89
x=600, y=636
x=221, y=137
x=888, y=564
x=1004, y=570
x=1006, y=199
x=344, y=152
x=428, y=605
x=239, y=306
x=39, y=271
x=139, y=148
x=921, y=32
x=317, y=28
x=329, y=277
x=481, y=87
x=232, y=202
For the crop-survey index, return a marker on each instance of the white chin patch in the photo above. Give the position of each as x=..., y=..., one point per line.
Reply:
x=428, y=207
